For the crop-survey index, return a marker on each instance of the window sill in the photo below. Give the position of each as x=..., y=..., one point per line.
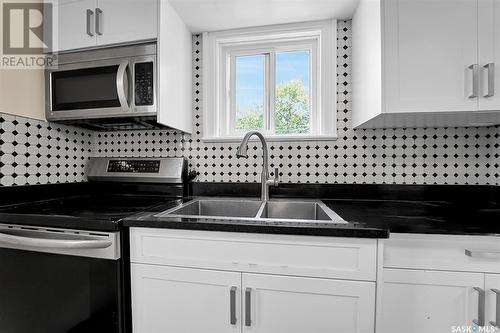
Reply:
x=272, y=138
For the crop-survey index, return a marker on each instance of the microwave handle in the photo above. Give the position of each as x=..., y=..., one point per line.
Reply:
x=122, y=86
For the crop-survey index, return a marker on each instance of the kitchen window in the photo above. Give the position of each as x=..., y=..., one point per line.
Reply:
x=279, y=80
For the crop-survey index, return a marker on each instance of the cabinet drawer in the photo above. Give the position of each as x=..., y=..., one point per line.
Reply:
x=328, y=257
x=443, y=252
x=416, y=301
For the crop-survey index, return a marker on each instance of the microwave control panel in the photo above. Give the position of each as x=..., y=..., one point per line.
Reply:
x=144, y=83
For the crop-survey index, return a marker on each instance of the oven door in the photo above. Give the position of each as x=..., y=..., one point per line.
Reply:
x=58, y=281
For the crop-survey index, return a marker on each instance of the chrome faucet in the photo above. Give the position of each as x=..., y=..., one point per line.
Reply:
x=266, y=181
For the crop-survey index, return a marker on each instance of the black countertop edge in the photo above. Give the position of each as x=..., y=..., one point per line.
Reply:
x=348, y=231
x=410, y=192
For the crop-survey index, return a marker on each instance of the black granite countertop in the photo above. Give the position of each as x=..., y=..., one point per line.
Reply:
x=372, y=210
x=421, y=217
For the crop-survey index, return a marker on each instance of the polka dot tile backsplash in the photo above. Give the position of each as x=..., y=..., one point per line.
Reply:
x=402, y=156
x=58, y=153
x=36, y=152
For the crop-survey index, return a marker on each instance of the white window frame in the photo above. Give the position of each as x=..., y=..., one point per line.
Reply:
x=219, y=52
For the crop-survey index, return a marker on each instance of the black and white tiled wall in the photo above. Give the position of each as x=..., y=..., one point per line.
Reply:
x=36, y=152
x=58, y=153
x=411, y=156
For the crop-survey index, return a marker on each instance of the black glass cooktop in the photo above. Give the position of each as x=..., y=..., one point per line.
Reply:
x=88, y=206
x=97, y=206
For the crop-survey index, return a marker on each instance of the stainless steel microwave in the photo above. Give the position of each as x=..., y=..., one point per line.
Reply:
x=108, y=88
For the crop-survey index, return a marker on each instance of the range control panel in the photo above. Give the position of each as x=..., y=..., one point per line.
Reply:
x=134, y=166
x=171, y=170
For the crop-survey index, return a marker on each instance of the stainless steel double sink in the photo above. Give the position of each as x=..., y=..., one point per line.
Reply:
x=242, y=209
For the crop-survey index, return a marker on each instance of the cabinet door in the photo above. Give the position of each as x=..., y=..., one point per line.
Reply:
x=415, y=301
x=283, y=304
x=75, y=26
x=492, y=288
x=489, y=54
x=176, y=300
x=123, y=21
x=428, y=47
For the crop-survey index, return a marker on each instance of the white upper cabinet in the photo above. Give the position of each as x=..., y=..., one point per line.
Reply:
x=90, y=23
x=75, y=25
x=123, y=21
x=489, y=54
x=429, y=45
x=424, y=63
x=175, y=68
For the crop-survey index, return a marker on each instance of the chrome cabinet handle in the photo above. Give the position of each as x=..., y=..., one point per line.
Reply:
x=98, y=15
x=232, y=305
x=90, y=14
x=475, y=81
x=491, y=79
x=480, y=307
x=122, y=85
x=248, y=305
x=496, y=323
x=482, y=254
x=13, y=239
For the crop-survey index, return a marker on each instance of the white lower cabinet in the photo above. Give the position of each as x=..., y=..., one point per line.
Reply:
x=492, y=290
x=182, y=300
x=439, y=283
x=176, y=300
x=284, y=304
x=415, y=301
x=186, y=281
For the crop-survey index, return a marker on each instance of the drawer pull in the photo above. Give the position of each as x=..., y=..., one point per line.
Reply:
x=496, y=323
x=482, y=254
x=480, y=307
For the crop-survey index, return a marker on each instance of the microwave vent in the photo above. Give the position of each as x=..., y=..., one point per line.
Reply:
x=117, y=124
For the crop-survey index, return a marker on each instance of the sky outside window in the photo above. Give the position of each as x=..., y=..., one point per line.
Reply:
x=292, y=92
x=292, y=107
x=249, y=94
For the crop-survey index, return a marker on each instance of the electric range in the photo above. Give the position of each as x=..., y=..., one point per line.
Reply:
x=64, y=252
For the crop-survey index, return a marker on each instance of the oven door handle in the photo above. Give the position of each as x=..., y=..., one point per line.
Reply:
x=122, y=85
x=52, y=243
